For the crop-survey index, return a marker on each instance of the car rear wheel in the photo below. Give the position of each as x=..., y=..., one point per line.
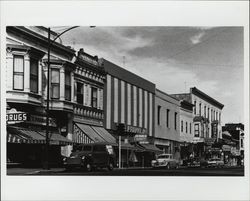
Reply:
x=88, y=167
x=110, y=166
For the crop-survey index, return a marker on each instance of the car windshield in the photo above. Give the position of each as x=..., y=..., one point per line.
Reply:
x=163, y=156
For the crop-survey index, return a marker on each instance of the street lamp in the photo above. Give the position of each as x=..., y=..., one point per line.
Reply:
x=46, y=163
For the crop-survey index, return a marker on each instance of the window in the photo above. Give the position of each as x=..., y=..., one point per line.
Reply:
x=208, y=113
x=216, y=116
x=241, y=143
x=190, y=128
x=186, y=127
x=194, y=107
x=175, y=120
x=94, y=97
x=205, y=109
x=167, y=118
x=33, y=75
x=18, y=73
x=67, y=86
x=219, y=117
x=79, y=93
x=55, y=84
x=159, y=114
x=181, y=125
x=196, y=130
x=200, y=109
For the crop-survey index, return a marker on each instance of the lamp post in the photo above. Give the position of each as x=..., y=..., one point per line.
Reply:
x=46, y=162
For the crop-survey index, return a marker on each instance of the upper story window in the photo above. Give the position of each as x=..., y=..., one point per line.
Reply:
x=94, y=97
x=18, y=73
x=175, y=120
x=159, y=114
x=190, y=128
x=196, y=130
x=208, y=113
x=205, y=111
x=186, y=127
x=181, y=125
x=67, y=86
x=55, y=83
x=241, y=143
x=79, y=93
x=167, y=118
x=34, y=75
x=200, y=109
x=194, y=107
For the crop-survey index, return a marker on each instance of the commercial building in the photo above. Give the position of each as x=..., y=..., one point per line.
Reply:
x=26, y=99
x=207, y=119
x=167, y=123
x=129, y=101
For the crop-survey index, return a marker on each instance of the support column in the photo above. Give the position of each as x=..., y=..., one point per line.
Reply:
x=9, y=71
x=72, y=87
x=40, y=82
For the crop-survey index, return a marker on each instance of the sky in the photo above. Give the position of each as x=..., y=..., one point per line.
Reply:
x=174, y=58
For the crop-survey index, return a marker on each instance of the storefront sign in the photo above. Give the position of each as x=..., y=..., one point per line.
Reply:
x=14, y=116
x=41, y=120
x=209, y=140
x=134, y=129
x=141, y=138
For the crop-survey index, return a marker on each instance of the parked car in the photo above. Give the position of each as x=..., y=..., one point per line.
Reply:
x=89, y=156
x=215, y=162
x=165, y=161
x=193, y=162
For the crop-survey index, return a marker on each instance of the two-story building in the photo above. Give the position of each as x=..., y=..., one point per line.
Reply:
x=167, y=123
x=26, y=77
x=129, y=101
x=207, y=118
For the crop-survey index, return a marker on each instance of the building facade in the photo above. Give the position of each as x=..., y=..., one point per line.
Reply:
x=129, y=101
x=26, y=67
x=167, y=122
x=207, y=118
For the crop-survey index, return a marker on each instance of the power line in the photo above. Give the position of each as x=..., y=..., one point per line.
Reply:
x=198, y=44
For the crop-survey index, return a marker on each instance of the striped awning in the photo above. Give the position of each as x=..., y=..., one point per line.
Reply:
x=29, y=136
x=84, y=134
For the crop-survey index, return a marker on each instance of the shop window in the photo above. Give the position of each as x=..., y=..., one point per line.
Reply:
x=181, y=125
x=18, y=73
x=79, y=93
x=175, y=120
x=167, y=118
x=196, y=130
x=34, y=75
x=159, y=114
x=94, y=97
x=55, y=83
x=186, y=127
x=67, y=86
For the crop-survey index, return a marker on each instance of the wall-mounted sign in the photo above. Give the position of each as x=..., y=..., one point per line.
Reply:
x=140, y=138
x=13, y=116
x=41, y=120
x=134, y=129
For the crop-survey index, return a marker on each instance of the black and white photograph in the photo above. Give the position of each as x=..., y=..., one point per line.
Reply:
x=124, y=102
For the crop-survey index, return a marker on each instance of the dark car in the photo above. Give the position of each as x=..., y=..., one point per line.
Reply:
x=89, y=156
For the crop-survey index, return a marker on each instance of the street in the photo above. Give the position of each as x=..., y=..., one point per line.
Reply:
x=183, y=171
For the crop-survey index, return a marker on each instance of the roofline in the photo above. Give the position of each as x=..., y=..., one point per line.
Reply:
x=166, y=94
x=41, y=37
x=194, y=90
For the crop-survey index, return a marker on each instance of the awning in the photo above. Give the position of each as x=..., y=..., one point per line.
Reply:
x=105, y=134
x=151, y=148
x=25, y=135
x=128, y=146
x=90, y=132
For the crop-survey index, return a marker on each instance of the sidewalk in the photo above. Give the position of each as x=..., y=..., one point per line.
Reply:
x=31, y=171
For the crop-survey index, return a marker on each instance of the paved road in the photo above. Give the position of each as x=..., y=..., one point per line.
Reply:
x=154, y=172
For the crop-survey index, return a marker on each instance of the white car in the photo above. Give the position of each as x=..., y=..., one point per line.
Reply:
x=216, y=162
x=165, y=161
